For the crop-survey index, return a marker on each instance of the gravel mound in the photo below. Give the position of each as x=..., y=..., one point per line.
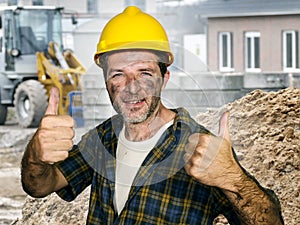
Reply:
x=265, y=132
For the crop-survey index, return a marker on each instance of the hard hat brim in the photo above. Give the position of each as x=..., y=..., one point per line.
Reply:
x=160, y=46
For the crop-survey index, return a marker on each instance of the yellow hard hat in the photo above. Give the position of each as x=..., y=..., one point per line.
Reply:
x=133, y=29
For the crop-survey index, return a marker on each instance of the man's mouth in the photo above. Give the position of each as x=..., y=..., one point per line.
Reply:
x=135, y=102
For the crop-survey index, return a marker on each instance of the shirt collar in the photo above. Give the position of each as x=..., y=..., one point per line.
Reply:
x=182, y=118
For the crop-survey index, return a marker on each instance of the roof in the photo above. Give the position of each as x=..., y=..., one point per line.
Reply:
x=231, y=8
x=13, y=8
x=252, y=14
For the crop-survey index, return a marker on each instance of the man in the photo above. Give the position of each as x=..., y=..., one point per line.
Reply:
x=148, y=164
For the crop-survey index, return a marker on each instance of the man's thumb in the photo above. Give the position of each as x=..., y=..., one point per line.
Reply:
x=224, y=126
x=53, y=103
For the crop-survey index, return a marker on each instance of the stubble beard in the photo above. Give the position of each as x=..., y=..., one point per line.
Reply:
x=139, y=118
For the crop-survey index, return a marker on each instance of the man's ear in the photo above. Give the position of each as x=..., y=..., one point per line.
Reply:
x=166, y=79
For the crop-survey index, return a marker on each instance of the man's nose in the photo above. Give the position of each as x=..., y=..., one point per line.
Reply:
x=133, y=85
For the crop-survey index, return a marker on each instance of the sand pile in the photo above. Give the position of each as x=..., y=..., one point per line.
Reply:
x=265, y=131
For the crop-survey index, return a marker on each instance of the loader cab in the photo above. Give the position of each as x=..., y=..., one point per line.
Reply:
x=25, y=31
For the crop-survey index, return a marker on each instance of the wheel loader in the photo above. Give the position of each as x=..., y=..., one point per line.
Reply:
x=32, y=60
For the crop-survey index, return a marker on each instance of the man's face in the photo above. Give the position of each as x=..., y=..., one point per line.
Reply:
x=134, y=84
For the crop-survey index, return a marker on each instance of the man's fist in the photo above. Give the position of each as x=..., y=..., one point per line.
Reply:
x=210, y=158
x=54, y=137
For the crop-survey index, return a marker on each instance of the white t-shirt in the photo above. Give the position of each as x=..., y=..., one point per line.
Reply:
x=130, y=156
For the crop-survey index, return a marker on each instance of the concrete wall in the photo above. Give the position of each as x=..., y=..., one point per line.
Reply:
x=96, y=103
x=202, y=91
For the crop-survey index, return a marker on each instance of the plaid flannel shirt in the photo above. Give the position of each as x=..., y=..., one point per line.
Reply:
x=162, y=192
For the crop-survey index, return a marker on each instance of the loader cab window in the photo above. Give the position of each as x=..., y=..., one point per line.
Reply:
x=8, y=41
x=36, y=28
x=1, y=35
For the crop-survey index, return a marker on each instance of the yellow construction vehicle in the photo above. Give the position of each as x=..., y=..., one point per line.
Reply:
x=32, y=60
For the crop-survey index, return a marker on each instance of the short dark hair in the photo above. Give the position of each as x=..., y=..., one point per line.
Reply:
x=162, y=56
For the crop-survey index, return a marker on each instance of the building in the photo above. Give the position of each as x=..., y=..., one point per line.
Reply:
x=258, y=39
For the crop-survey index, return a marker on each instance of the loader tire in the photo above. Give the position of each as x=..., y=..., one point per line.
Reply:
x=30, y=101
x=3, y=114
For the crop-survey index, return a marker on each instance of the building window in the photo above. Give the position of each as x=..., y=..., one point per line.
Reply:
x=225, y=51
x=290, y=50
x=252, y=54
x=12, y=2
x=138, y=3
x=92, y=6
x=37, y=2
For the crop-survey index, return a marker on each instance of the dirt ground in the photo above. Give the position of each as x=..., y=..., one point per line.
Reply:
x=265, y=132
x=12, y=197
x=13, y=140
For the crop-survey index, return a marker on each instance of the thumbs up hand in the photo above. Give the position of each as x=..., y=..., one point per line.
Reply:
x=54, y=137
x=210, y=159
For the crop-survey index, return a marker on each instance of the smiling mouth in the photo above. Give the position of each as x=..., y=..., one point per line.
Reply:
x=136, y=102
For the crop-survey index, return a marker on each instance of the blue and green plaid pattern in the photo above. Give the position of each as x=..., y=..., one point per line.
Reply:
x=162, y=192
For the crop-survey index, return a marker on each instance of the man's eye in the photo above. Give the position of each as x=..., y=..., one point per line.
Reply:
x=146, y=74
x=117, y=75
